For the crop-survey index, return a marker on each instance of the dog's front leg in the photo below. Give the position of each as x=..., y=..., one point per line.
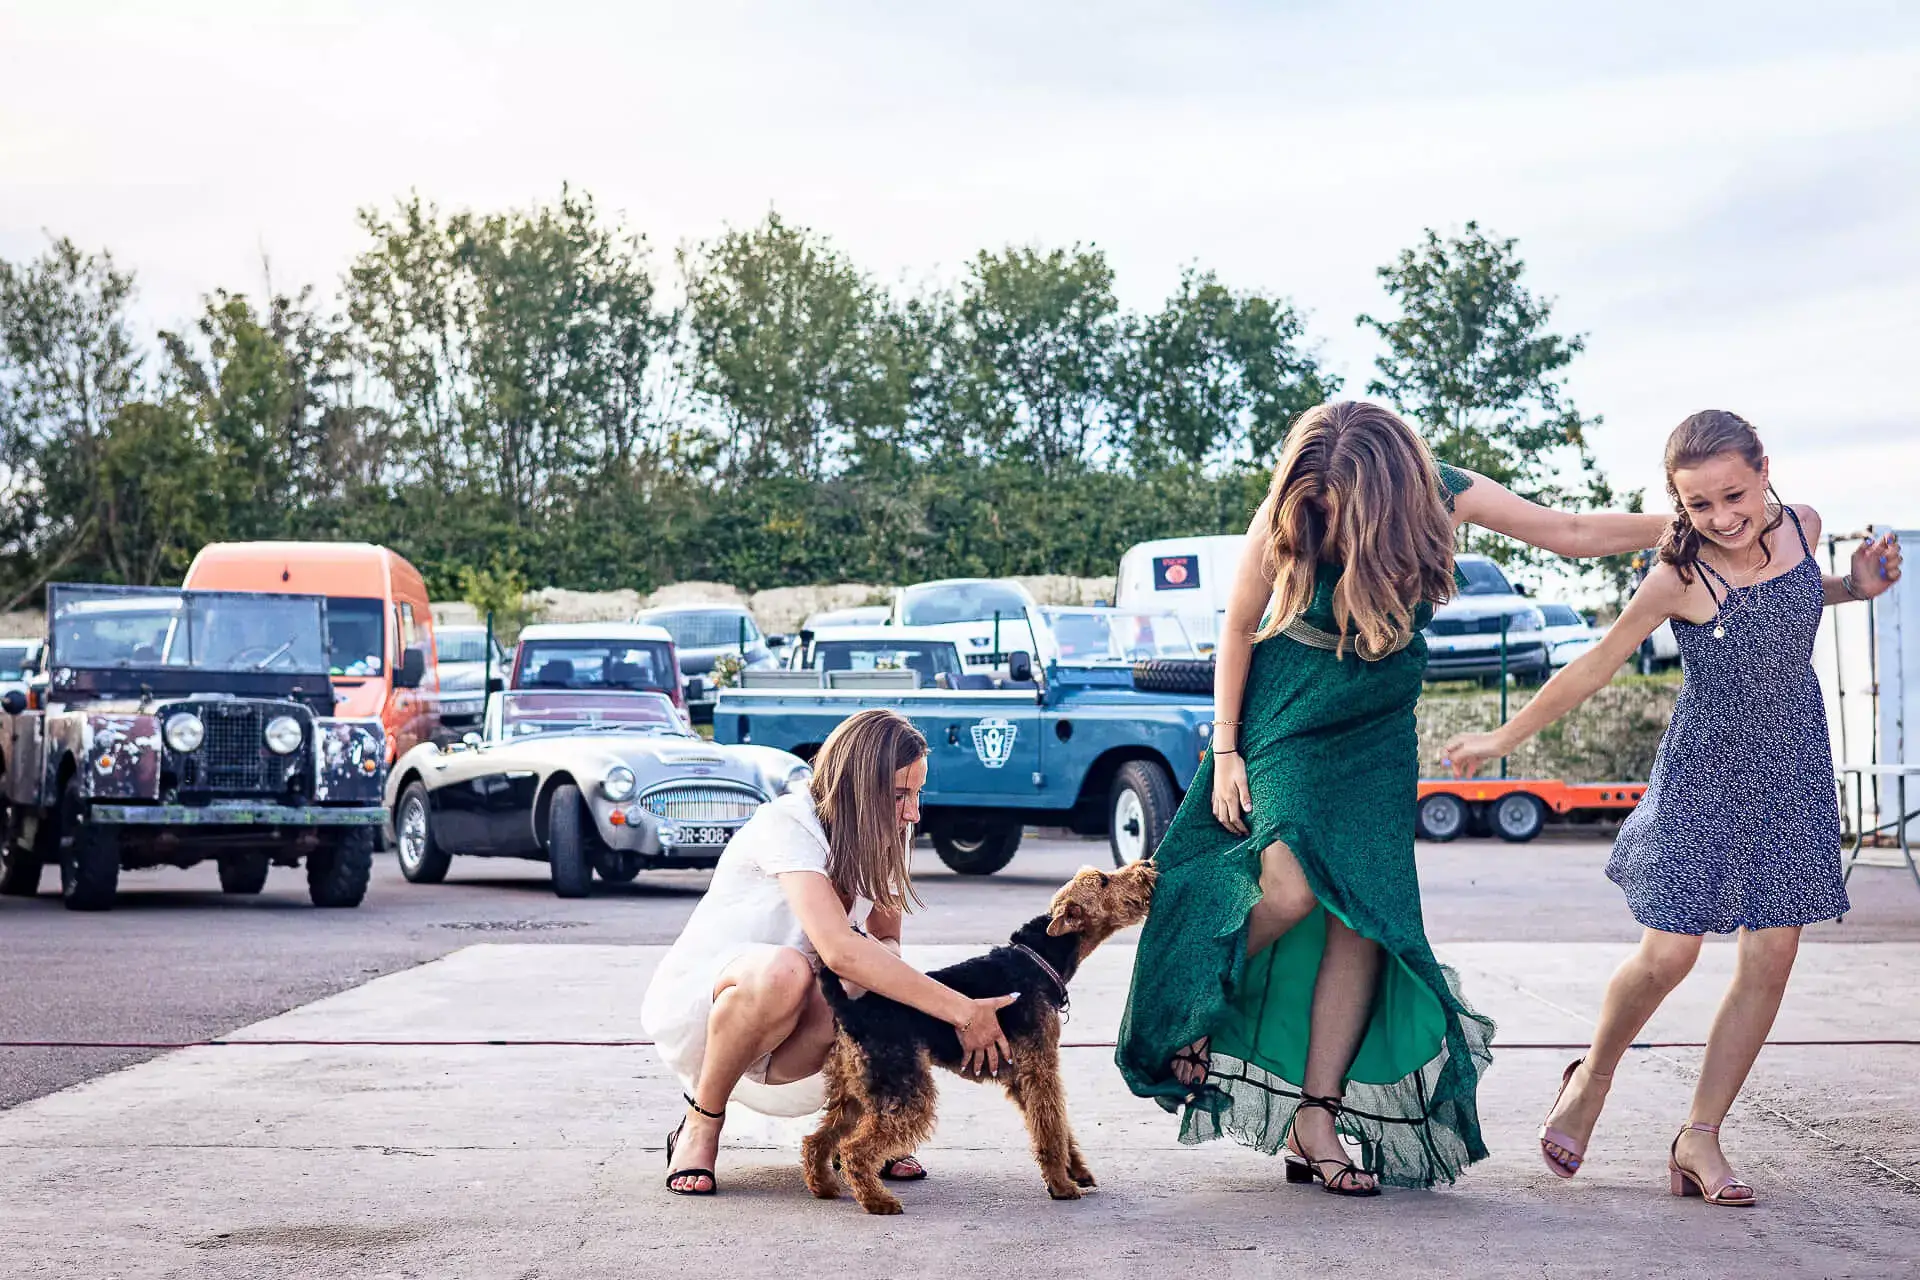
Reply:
x=1035, y=1089
x=861, y=1157
x=1077, y=1163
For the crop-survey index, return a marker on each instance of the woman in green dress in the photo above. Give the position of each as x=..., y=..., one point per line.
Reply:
x=1284, y=992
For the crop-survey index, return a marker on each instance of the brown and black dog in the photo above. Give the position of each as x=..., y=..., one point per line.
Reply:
x=880, y=1091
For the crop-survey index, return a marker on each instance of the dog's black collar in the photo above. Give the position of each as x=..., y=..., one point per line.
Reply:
x=1047, y=969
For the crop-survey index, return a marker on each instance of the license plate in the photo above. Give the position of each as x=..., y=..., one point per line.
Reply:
x=705, y=835
x=460, y=708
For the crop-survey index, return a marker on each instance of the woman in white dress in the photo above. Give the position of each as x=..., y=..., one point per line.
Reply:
x=817, y=876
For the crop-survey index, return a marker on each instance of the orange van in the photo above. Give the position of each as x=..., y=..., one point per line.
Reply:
x=379, y=624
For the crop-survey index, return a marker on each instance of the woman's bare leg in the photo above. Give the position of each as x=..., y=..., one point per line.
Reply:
x=758, y=1003
x=1763, y=963
x=1643, y=980
x=1285, y=900
x=1343, y=996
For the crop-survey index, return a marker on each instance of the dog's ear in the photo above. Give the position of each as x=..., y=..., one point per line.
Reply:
x=1068, y=917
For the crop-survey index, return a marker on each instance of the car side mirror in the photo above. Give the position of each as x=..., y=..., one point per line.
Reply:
x=413, y=670
x=1020, y=667
x=1520, y=589
x=14, y=702
x=696, y=688
x=776, y=642
x=496, y=684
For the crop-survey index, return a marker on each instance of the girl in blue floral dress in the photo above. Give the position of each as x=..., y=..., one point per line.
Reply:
x=1739, y=829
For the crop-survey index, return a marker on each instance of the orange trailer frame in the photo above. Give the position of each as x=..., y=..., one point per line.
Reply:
x=1515, y=808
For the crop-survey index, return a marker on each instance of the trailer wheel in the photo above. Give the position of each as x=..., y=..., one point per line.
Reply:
x=1518, y=817
x=1440, y=817
x=1140, y=806
x=976, y=845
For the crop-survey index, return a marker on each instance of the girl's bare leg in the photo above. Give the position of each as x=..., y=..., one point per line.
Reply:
x=1642, y=981
x=1762, y=965
x=758, y=1003
x=1342, y=1004
x=1285, y=900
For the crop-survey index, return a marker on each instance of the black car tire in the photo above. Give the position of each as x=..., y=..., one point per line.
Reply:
x=244, y=872
x=1174, y=675
x=566, y=843
x=89, y=856
x=1517, y=817
x=616, y=868
x=1144, y=791
x=976, y=845
x=337, y=877
x=1441, y=817
x=430, y=864
x=20, y=866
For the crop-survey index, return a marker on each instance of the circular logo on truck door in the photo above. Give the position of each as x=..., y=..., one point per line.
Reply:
x=993, y=741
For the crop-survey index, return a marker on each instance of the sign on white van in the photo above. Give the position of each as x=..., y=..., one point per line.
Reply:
x=1176, y=573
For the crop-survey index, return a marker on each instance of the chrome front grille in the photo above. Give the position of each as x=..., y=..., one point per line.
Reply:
x=702, y=802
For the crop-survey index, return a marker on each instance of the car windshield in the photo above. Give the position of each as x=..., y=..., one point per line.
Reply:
x=707, y=629
x=453, y=644
x=595, y=664
x=13, y=661
x=1560, y=615
x=929, y=659
x=524, y=714
x=937, y=604
x=356, y=635
x=1091, y=637
x=1483, y=578
x=197, y=630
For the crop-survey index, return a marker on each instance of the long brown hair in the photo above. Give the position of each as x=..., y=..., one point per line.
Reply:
x=1356, y=487
x=853, y=795
x=1705, y=436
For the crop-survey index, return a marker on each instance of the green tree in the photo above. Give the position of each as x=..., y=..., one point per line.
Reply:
x=1215, y=376
x=1471, y=360
x=797, y=352
x=515, y=350
x=1023, y=358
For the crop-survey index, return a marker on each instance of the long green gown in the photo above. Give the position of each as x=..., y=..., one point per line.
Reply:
x=1332, y=760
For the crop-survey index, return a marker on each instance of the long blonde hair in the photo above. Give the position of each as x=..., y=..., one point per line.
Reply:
x=1356, y=487
x=852, y=787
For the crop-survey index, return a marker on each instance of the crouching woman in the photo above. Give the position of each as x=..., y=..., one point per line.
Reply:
x=817, y=876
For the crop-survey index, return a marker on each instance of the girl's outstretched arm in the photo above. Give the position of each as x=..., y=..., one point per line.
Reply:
x=1875, y=568
x=1658, y=599
x=1565, y=533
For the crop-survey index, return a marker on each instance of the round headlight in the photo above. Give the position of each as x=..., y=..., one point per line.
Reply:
x=798, y=777
x=618, y=784
x=283, y=735
x=184, y=732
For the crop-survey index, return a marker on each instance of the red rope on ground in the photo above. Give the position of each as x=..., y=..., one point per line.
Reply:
x=276, y=1043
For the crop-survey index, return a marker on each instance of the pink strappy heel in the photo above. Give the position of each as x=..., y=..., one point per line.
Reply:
x=1576, y=1152
x=1685, y=1182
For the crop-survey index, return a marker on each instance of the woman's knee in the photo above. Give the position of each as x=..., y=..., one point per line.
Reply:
x=1668, y=957
x=1768, y=954
x=1284, y=891
x=780, y=983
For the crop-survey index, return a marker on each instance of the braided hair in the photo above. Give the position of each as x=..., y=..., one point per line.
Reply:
x=1702, y=437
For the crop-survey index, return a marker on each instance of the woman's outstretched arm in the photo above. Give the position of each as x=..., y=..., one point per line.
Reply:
x=1577, y=534
x=1658, y=599
x=1233, y=657
x=872, y=964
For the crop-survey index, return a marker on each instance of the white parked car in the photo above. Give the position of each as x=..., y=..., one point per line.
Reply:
x=866, y=615
x=19, y=663
x=1568, y=634
x=1465, y=637
x=985, y=617
x=462, y=654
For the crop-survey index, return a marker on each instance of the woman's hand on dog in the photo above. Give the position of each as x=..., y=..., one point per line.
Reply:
x=982, y=1044
x=1232, y=802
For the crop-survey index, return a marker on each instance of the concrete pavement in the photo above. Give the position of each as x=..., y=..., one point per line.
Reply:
x=534, y=1162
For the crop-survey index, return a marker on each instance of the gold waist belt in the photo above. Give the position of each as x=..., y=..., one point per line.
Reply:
x=1308, y=634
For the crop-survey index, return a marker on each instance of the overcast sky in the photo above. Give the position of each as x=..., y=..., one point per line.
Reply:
x=1724, y=197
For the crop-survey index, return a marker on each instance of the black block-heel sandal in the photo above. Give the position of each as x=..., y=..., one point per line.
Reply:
x=674, y=1175
x=1342, y=1180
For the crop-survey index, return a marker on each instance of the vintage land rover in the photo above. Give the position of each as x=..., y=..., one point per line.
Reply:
x=176, y=726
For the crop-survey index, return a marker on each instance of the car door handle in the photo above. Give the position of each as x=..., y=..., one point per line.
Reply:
x=953, y=735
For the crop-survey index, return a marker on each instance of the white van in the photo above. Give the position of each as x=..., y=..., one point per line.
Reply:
x=1188, y=576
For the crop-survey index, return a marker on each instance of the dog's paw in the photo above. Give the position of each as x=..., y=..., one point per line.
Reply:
x=1067, y=1192
x=884, y=1208
x=1084, y=1179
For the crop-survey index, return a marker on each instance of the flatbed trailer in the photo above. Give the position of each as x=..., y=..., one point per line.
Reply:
x=1514, y=808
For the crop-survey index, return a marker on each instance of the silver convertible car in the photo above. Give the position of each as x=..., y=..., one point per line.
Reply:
x=601, y=783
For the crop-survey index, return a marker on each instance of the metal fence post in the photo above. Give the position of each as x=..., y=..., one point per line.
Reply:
x=1503, y=684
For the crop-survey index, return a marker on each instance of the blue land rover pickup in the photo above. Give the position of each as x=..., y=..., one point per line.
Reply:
x=1100, y=732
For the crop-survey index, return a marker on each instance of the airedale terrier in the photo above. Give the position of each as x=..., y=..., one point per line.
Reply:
x=880, y=1091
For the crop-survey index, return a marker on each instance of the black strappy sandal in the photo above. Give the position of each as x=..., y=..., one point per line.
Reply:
x=1201, y=1058
x=674, y=1175
x=1341, y=1183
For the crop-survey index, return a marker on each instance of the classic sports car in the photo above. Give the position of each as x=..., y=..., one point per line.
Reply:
x=604, y=783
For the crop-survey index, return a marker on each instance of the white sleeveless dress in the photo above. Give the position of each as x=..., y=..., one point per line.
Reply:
x=745, y=910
